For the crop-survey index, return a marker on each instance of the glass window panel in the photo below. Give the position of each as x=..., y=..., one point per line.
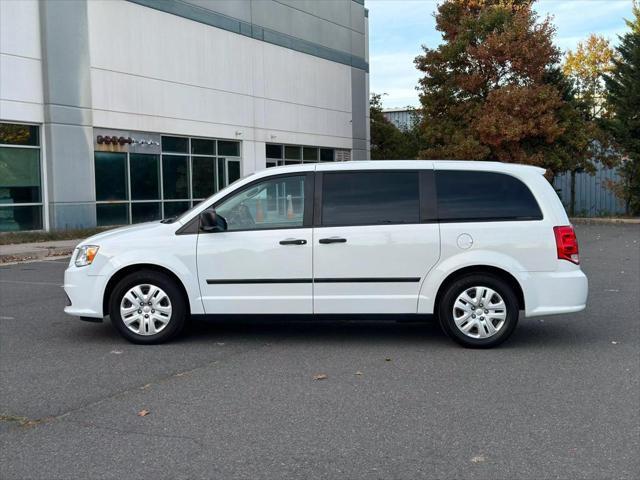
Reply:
x=272, y=164
x=274, y=203
x=15, y=134
x=326, y=154
x=111, y=176
x=15, y=218
x=173, y=209
x=204, y=177
x=201, y=146
x=459, y=197
x=175, y=176
x=310, y=154
x=108, y=214
x=370, y=198
x=145, y=212
x=274, y=151
x=229, y=149
x=234, y=171
x=175, y=144
x=222, y=173
x=145, y=176
x=19, y=175
x=292, y=153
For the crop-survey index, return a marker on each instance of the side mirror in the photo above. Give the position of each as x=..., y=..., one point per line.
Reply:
x=210, y=221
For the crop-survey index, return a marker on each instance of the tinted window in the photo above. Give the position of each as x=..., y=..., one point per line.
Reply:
x=274, y=151
x=175, y=176
x=231, y=149
x=145, y=176
x=16, y=134
x=469, y=196
x=370, y=198
x=111, y=176
x=202, y=146
x=175, y=144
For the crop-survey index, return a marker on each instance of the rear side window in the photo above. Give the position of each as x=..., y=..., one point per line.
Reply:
x=467, y=196
x=370, y=198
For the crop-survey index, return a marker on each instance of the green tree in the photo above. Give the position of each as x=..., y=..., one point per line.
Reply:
x=387, y=141
x=586, y=67
x=492, y=90
x=623, y=100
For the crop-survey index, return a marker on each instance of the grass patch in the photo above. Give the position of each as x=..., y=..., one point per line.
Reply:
x=9, y=238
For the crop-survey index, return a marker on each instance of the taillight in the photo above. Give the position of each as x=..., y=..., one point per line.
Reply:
x=567, y=244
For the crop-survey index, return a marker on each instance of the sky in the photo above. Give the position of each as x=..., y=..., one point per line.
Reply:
x=398, y=28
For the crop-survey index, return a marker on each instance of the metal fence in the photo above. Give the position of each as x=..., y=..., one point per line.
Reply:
x=593, y=198
x=402, y=118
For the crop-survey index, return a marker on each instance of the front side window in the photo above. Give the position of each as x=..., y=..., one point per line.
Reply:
x=466, y=196
x=370, y=198
x=273, y=203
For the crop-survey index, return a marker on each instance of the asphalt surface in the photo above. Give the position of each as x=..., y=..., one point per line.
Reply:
x=561, y=399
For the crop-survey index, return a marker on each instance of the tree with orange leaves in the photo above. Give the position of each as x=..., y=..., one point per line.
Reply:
x=493, y=89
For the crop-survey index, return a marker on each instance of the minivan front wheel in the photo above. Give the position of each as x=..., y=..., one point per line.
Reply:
x=479, y=310
x=147, y=307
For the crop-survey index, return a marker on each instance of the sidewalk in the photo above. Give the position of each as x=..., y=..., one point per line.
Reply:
x=604, y=220
x=20, y=252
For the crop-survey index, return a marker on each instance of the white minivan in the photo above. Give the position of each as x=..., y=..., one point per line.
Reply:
x=473, y=243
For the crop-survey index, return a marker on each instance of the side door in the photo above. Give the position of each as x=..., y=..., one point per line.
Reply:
x=262, y=263
x=375, y=238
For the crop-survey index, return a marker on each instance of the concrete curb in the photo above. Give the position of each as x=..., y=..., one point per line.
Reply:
x=605, y=221
x=26, y=252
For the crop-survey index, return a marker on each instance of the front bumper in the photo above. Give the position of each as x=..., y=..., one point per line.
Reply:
x=85, y=292
x=551, y=293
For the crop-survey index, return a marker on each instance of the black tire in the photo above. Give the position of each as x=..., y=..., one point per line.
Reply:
x=459, y=286
x=175, y=297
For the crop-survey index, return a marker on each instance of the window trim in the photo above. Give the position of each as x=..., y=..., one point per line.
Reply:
x=539, y=218
x=425, y=213
x=44, y=192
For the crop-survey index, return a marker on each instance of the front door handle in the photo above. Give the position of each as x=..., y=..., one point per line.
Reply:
x=332, y=240
x=293, y=241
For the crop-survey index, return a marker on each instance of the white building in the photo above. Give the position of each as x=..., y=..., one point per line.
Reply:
x=117, y=111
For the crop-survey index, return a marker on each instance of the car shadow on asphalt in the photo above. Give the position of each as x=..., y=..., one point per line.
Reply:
x=528, y=333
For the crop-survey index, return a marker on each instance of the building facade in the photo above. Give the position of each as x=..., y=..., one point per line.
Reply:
x=121, y=111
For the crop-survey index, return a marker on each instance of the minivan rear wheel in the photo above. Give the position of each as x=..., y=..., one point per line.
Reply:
x=479, y=310
x=147, y=307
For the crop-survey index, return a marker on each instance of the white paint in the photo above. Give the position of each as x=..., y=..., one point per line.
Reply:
x=20, y=62
x=152, y=71
x=526, y=250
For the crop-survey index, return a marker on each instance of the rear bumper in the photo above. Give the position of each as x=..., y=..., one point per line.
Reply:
x=551, y=293
x=84, y=293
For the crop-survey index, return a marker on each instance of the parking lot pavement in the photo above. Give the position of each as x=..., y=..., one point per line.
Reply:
x=561, y=399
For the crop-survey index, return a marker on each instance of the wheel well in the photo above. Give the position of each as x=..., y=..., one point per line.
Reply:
x=120, y=274
x=498, y=272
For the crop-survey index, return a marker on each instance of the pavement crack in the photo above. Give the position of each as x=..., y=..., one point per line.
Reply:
x=146, y=386
x=129, y=431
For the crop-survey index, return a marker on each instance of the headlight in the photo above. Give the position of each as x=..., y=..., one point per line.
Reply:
x=86, y=254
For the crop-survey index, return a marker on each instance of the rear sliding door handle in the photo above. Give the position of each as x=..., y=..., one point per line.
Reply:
x=332, y=240
x=293, y=241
